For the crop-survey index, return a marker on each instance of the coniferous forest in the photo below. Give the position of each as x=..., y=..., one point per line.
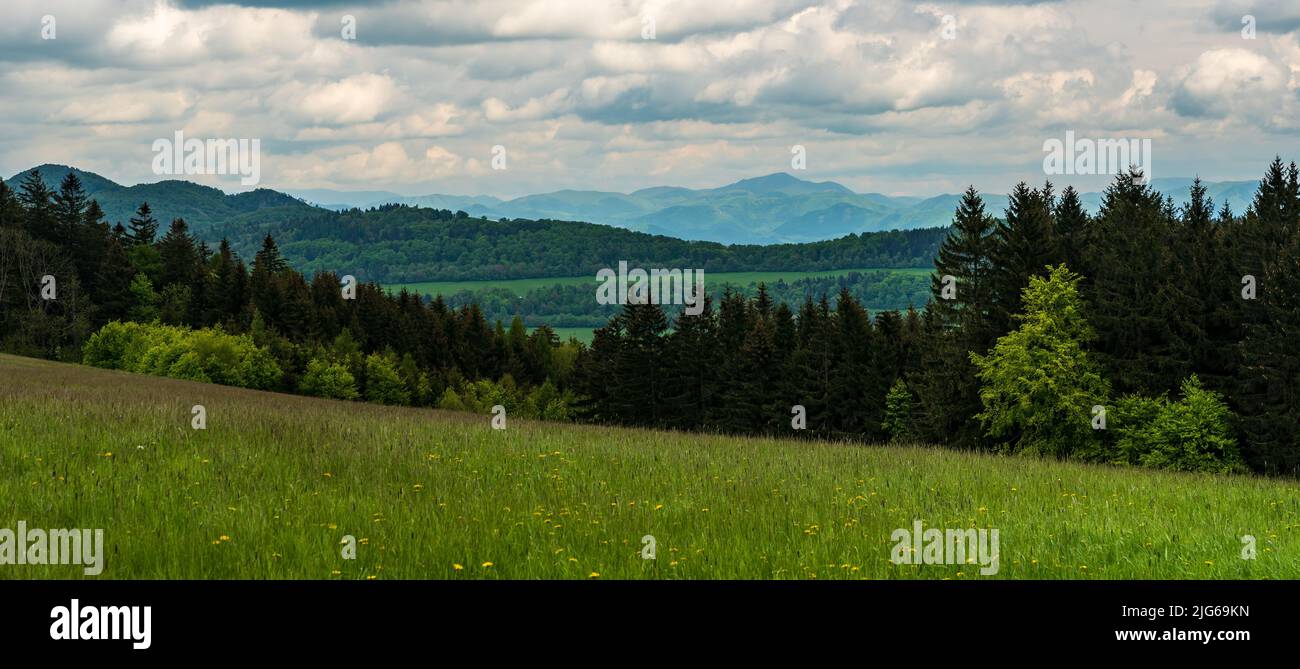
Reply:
x=1146, y=335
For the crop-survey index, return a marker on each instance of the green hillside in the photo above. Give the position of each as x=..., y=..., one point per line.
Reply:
x=276, y=482
x=201, y=206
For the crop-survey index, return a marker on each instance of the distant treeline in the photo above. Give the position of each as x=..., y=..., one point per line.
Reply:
x=574, y=306
x=402, y=244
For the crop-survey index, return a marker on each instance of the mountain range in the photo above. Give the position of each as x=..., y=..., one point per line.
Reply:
x=777, y=208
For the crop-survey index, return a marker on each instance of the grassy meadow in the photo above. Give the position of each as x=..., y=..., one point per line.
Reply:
x=274, y=483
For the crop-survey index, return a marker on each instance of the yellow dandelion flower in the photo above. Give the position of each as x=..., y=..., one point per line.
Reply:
x=487, y=564
x=457, y=566
x=225, y=538
x=594, y=574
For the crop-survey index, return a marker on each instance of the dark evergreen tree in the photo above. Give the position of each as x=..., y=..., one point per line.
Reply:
x=960, y=322
x=1023, y=245
x=143, y=227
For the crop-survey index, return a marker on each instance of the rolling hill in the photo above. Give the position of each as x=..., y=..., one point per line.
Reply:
x=200, y=206
x=275, y=482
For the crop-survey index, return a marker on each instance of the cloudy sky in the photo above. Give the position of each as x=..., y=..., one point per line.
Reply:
x=875, y=90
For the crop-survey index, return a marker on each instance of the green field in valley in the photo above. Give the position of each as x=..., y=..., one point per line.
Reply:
x=275, y=483
x=583, y=335
x=447, y=288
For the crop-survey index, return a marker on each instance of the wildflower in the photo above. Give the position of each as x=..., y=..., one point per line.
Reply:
x=457, y=566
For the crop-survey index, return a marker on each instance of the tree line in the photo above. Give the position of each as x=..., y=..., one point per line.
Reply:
x=1181, y=320
x=211, y=306
x=561, y=305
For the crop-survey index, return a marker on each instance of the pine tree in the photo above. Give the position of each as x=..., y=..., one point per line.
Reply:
x=264, y=282
x=1071, y=231
x=36, y=198
x=642, y=381
x=11, y=210
x=959, y=322
x=111, y=287
x=69, y=211
x=143, y=226
x=858, y=392
x=1135, y=295
x=692, y=356
x=1023, y=246
x=180, y=257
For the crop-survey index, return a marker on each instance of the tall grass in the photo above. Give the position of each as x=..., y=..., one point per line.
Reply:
x=275, y=482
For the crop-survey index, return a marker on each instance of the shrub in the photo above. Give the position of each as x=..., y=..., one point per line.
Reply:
x=898, y=412
x=207, y=355
x=1193, y=434
x=383, y=385
x=328, y=379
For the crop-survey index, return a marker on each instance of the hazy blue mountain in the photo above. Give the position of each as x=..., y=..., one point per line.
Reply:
x=776, y=208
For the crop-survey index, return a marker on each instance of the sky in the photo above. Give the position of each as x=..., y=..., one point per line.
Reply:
x=902, y=98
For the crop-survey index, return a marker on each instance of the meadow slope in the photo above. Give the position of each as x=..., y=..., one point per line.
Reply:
x=274, y=483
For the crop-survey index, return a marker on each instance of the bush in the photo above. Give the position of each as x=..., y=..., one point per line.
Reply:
x=328, y=379
x=383, y=385
x=207, y=355
x=1193, y=434
x=898, y=412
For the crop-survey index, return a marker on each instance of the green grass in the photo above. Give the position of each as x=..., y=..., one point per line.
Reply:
x=284, y=478
x=521, y=286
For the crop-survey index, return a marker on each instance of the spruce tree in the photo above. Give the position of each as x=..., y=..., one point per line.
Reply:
x=958, y=322
x=143, y=227
x=1023, y=247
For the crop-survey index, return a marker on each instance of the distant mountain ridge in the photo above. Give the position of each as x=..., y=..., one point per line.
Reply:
x=200, y=206
x=776, y=208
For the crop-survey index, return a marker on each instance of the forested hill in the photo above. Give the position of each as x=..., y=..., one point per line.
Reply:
x=201, y=206
x=397, y=243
